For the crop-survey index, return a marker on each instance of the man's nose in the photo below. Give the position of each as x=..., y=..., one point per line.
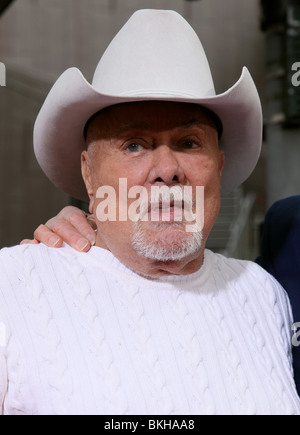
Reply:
x=166, y=168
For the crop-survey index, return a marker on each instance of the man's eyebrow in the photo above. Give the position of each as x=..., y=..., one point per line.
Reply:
x=198, y=123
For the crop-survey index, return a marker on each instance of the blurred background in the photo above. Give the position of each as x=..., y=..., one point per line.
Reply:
x=39, y=39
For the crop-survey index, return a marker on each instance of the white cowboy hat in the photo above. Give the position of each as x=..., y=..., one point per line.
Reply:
x=155, y=56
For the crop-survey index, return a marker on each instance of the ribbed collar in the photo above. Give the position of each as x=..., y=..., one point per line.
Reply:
x=105, y=260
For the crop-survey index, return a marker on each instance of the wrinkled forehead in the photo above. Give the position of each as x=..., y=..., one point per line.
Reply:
x=150, y=115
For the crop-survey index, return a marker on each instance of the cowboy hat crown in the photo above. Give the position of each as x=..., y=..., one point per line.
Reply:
x=151, y=55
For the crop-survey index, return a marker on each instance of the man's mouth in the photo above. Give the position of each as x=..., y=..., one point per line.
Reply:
x=166, y=211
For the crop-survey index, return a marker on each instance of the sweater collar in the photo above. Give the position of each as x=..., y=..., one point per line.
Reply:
x=107, y=261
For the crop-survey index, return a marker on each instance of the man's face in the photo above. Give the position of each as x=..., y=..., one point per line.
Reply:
x=153, y=144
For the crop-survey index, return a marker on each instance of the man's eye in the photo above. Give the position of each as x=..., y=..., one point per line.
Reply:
x=134, y=147
x=189, y=145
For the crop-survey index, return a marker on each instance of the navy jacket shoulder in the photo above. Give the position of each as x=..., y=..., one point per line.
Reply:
x=280, y=248
x=280, y=256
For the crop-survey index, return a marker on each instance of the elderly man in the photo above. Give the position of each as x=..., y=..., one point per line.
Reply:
x=148, y=321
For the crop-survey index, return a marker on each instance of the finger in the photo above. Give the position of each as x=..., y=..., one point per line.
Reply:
x=84, y=225
x=49, y=238
x=78, y=221
x=70, y=235
x=29, y=242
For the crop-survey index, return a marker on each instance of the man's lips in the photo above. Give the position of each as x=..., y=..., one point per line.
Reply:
x=166, y=211
x=158, y=206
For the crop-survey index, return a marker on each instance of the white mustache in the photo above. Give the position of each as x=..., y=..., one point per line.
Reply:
x=165, y=197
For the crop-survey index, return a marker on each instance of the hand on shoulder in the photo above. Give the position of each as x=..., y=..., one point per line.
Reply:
x=72, y=226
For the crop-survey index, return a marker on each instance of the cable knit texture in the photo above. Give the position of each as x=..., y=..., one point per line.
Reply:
x=83, y=334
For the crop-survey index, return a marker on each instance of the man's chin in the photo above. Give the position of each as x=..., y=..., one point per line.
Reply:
x=166, y=242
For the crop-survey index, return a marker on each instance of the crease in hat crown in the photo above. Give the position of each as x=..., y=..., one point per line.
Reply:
x=142, y=52
x=155, y=56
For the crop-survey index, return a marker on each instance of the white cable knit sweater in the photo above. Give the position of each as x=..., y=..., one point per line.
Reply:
x=86, y=335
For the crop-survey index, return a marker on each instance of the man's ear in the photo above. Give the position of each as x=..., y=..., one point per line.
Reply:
x=87, y=178
x=221, y=162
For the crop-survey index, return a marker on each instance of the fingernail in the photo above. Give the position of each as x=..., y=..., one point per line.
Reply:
x=92, y=239
x=82, y=244
x=53, y=241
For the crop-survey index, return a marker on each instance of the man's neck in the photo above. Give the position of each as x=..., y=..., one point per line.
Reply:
x=154, y=268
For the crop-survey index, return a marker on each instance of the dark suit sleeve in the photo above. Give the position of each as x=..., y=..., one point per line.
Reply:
x=280, y=256
x=265, y=259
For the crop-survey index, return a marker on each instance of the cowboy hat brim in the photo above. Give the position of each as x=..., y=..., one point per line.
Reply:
x=58, y=130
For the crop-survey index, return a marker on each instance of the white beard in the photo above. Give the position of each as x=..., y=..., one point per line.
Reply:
x=149, y=240
x=161, y=250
